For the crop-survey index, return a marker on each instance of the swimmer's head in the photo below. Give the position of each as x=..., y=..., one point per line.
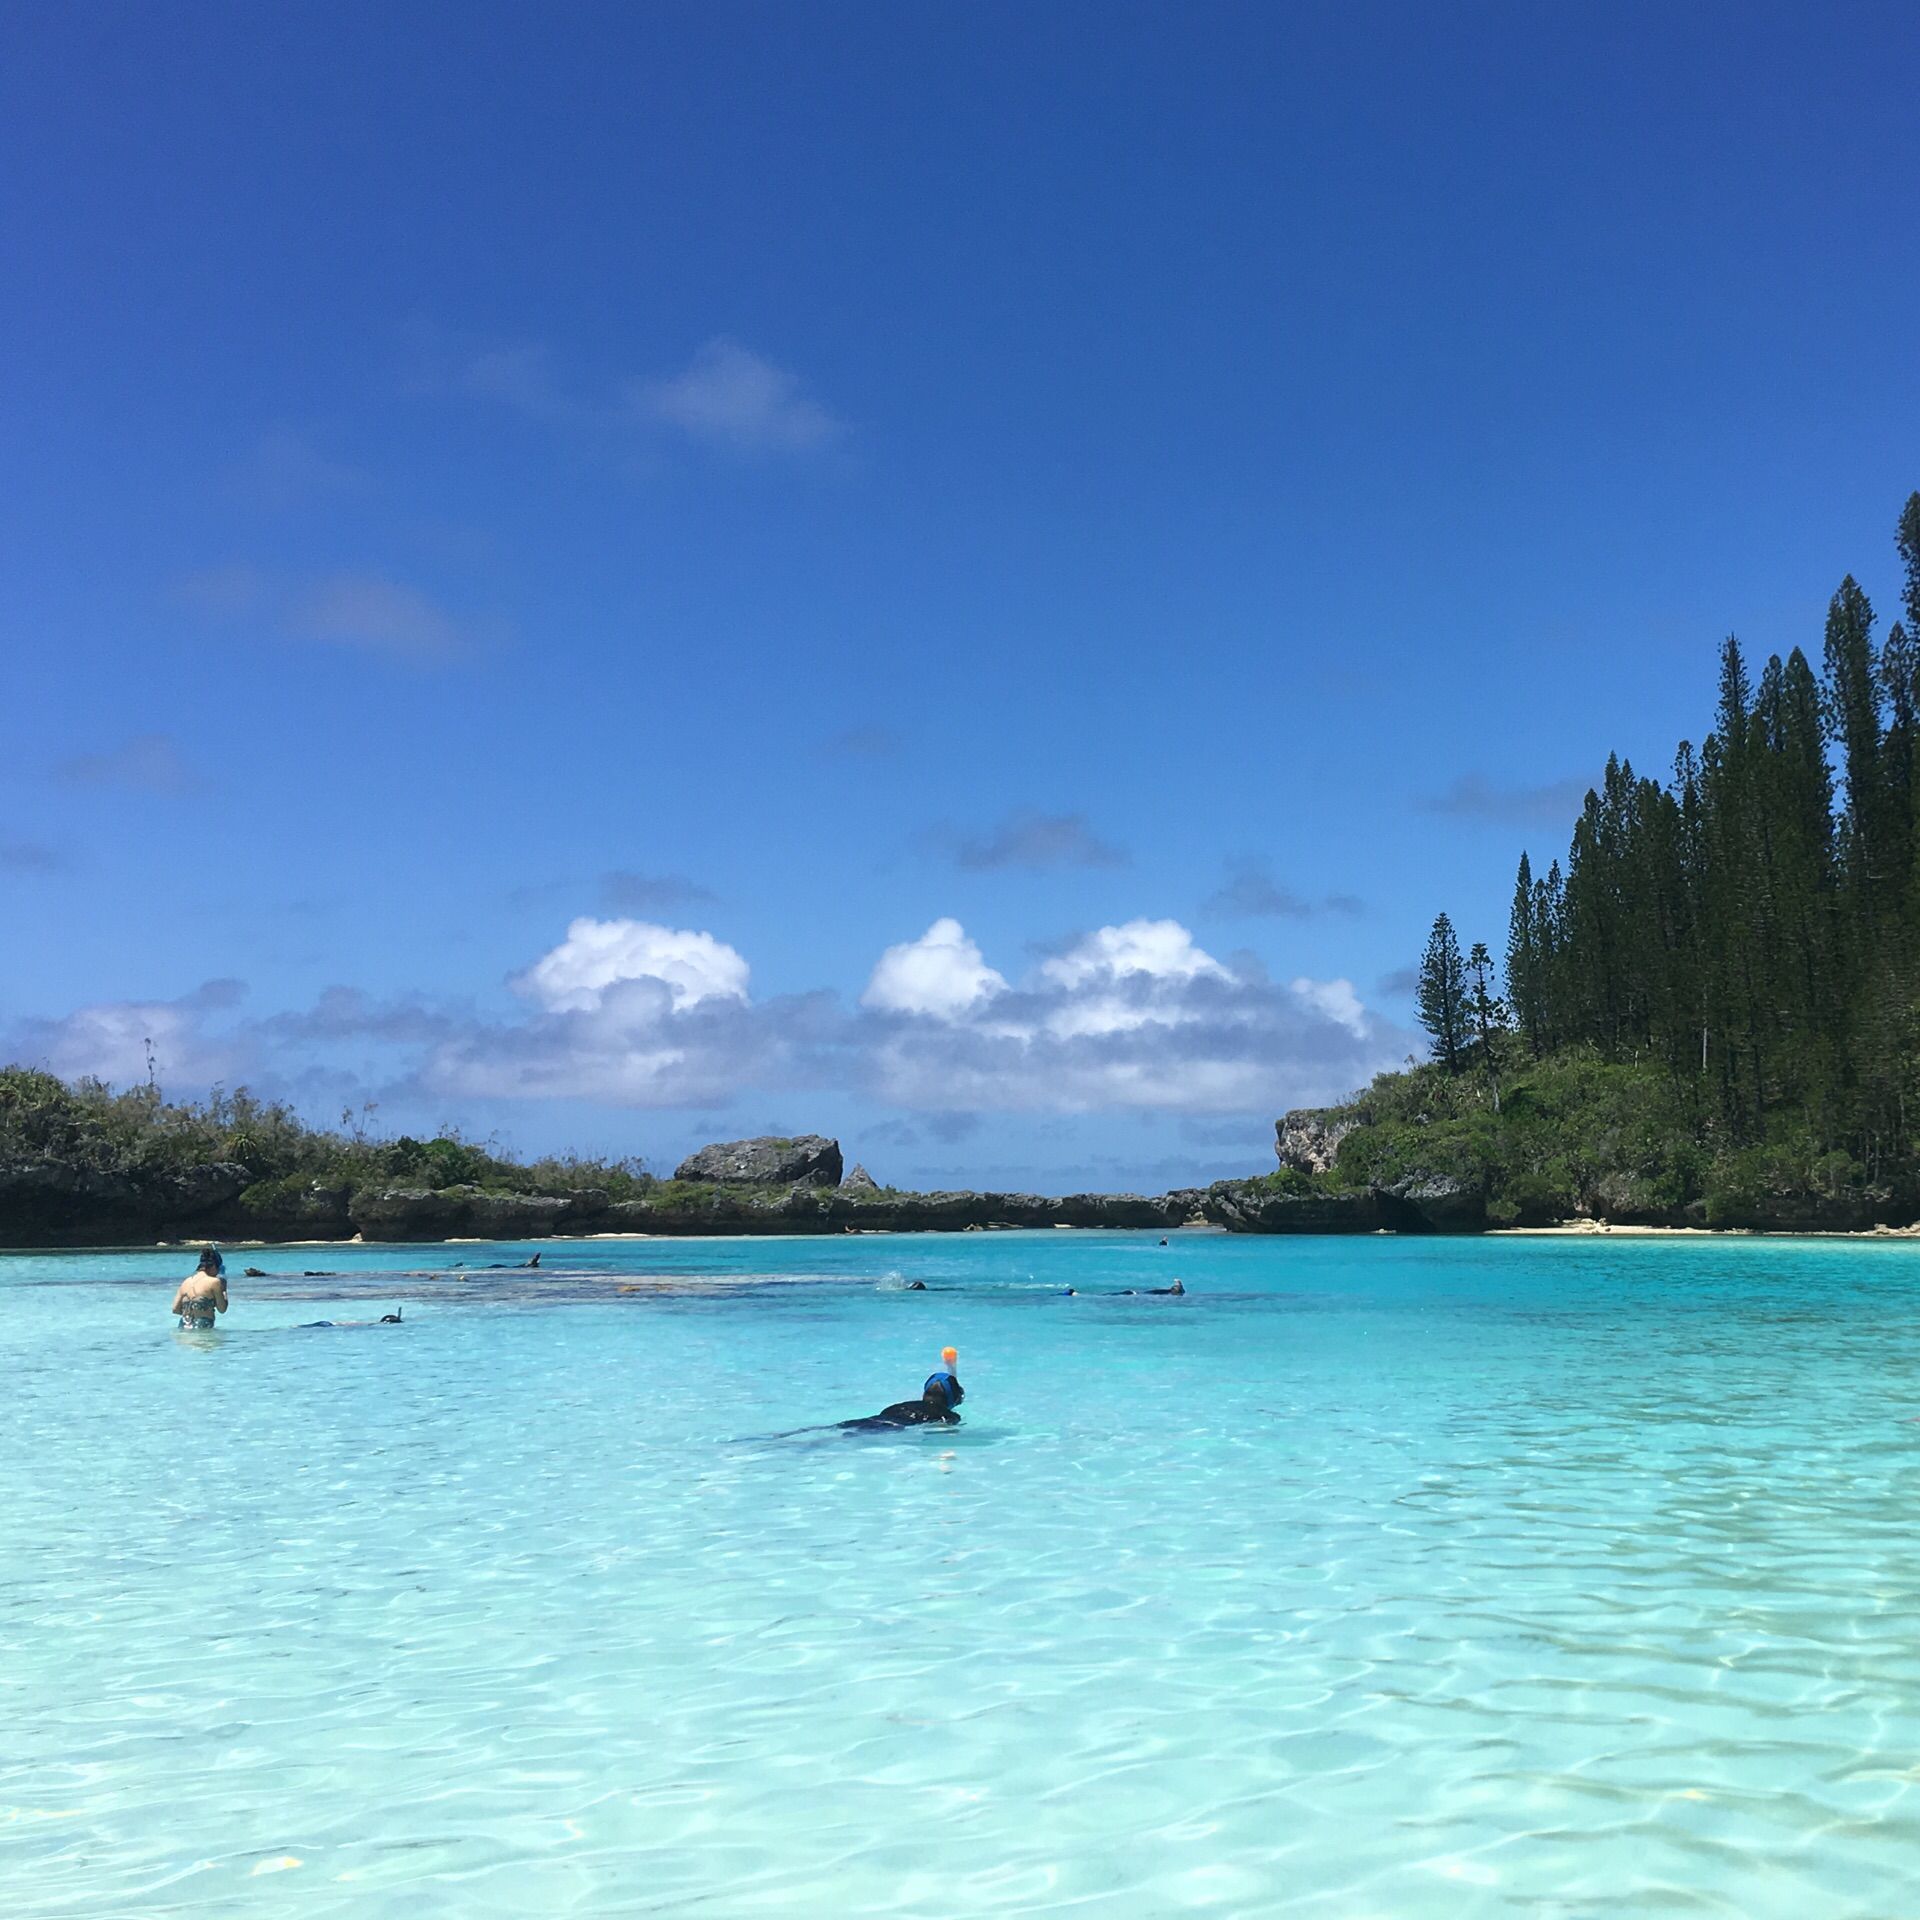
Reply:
x=210, y=1261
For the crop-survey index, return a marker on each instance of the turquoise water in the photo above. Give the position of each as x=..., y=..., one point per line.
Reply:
x=1375, y=1578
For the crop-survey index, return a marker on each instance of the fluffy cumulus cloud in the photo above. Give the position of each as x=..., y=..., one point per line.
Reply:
x=1131, y=1016
x=598, y=955
x=632, y=1013
x=941, y=973
x=1135, y=1016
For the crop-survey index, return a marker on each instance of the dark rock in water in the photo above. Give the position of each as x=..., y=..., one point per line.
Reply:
x=420, y=1213
x=515, y=1216
x=1308, y=1139
x=1186, y=1206
x=1440, y=1204
x=859, y=1181
x=1419, y=1204
x=810, y=1161
x=1243, y=1206
x=1111, y=1210
x=183, y=1197
x=408, y=1213
x=50, y=1203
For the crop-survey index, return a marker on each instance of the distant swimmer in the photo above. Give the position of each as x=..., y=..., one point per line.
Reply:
x=255, y=1273
x=1177, y=1288
x=1163, y=1239
x=385, y=1320
x=916, y=1286
x=936, y=1406
x=203, y=1293
x=535, y=1261
x=392, y=1319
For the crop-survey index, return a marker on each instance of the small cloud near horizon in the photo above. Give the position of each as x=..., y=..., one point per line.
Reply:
x=145, y=763
x=518, y=377
x=1474, y=797
x=1251, y=892
x=728, y=396
x=286, y=469
x=378, y=615
x=862, y=743
x=368, y=612
x=622, y=891
x=1038, y=842
x=30, y=856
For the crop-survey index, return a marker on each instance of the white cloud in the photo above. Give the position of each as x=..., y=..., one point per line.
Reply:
x=1337, y=1000
x=1102, y=978
x=1134, y=1017
x=732, y=397
x=110, y=1040
x=941, y=974
x=1130, y=1016
x=599, y=954
x=1160, y=949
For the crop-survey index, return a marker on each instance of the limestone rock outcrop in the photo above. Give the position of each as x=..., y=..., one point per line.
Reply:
x=1307, y=1140
x=809, y=1161
x=49, y=1203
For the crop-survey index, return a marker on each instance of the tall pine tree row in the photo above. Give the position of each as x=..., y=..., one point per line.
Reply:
x=1752, y=924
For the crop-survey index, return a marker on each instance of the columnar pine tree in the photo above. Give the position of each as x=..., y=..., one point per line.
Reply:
x=1487, y=1013
x=1442, y=994
x=1525, y=988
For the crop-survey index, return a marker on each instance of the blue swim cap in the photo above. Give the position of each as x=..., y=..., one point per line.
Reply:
x=951, y=1388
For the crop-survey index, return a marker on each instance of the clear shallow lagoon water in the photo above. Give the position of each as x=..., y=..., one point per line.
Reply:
x=1375, y=1578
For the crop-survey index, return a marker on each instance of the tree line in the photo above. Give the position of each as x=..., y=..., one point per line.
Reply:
x=1752, y=924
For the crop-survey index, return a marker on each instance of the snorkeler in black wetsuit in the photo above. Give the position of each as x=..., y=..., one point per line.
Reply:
x=1178, y=1287
x=935, y=1408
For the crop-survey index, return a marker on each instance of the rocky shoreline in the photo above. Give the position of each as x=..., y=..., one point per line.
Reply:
x=739, y=1187
x=782, y=1187
x=43, y=1205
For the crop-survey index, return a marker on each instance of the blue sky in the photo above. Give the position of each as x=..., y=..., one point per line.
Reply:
x=1055, y=538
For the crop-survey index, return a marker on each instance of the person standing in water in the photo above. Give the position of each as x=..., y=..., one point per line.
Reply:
x=203, y=1293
